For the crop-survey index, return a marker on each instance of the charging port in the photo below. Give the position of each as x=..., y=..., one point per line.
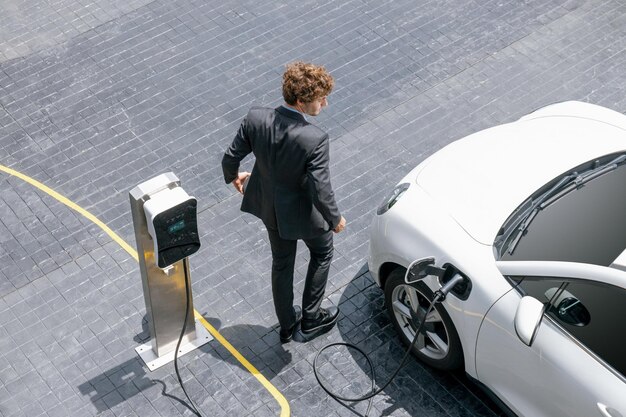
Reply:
x=463, y=289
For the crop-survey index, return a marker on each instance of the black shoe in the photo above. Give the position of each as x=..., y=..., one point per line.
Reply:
x=287, y=334
x=325, y=321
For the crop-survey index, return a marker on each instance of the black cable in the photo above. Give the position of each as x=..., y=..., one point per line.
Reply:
x=437, y=297
x=180, y=338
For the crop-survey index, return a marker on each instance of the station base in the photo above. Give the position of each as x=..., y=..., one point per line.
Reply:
x=153, y=361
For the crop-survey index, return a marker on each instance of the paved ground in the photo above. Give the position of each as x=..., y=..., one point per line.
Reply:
x=96, y=97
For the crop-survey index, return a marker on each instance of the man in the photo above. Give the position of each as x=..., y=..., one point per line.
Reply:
x=289, y=190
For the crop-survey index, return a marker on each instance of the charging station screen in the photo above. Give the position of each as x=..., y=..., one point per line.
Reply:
x=176, y=227
x=176, y=231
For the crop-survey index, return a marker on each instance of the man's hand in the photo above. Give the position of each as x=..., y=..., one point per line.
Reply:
x=238, y=182
x=340, y=226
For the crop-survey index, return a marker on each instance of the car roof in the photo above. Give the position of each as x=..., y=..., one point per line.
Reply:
x=484, y=177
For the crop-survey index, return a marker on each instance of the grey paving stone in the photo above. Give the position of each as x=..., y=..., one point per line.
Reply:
x=95, y=98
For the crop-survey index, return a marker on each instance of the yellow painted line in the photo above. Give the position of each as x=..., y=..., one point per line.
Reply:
x=284, y=405
x=73, y=206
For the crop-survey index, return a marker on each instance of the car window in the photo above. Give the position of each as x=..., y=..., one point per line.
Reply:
x=592, y=312
x=587, y=225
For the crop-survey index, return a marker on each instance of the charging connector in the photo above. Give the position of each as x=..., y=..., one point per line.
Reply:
x=442, y=292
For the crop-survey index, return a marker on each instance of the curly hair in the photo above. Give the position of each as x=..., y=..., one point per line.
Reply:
x=306, y=82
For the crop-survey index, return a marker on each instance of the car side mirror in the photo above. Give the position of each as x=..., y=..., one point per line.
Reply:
x=418, y=270
x=528, y=318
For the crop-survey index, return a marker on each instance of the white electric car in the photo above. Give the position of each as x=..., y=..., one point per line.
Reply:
x=532, y=214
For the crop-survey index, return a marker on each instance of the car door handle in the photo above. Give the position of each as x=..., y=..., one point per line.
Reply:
x=608, y=411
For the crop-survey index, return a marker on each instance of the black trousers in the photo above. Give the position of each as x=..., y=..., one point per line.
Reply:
x=283, y=262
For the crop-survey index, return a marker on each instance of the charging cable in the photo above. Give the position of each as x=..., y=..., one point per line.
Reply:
x=439, y=296
x=374, y=392
x=191, y=405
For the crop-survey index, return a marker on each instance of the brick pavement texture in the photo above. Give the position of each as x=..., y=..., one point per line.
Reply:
x=96, y=97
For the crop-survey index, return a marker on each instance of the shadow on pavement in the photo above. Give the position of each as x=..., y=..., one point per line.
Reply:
x=124, y=381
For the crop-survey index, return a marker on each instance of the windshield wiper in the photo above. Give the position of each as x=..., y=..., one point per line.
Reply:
x=534, y=209
x=565, y=185
x=584, y=178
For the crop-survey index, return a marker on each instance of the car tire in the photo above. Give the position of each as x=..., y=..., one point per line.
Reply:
x=439, y=345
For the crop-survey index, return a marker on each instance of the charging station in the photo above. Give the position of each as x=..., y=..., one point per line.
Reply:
x=166, y=232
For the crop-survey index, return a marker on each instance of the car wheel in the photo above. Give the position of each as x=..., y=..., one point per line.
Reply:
x=438, y=344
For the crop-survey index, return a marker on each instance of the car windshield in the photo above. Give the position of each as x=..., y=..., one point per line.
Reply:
x=578, y=217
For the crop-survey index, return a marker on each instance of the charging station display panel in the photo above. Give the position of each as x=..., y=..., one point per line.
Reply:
x=173, y=224
x=177, y=233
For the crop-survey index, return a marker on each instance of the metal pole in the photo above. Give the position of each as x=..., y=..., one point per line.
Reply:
x=163, y=289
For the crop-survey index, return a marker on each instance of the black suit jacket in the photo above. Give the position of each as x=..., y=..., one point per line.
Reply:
x=289, y=187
